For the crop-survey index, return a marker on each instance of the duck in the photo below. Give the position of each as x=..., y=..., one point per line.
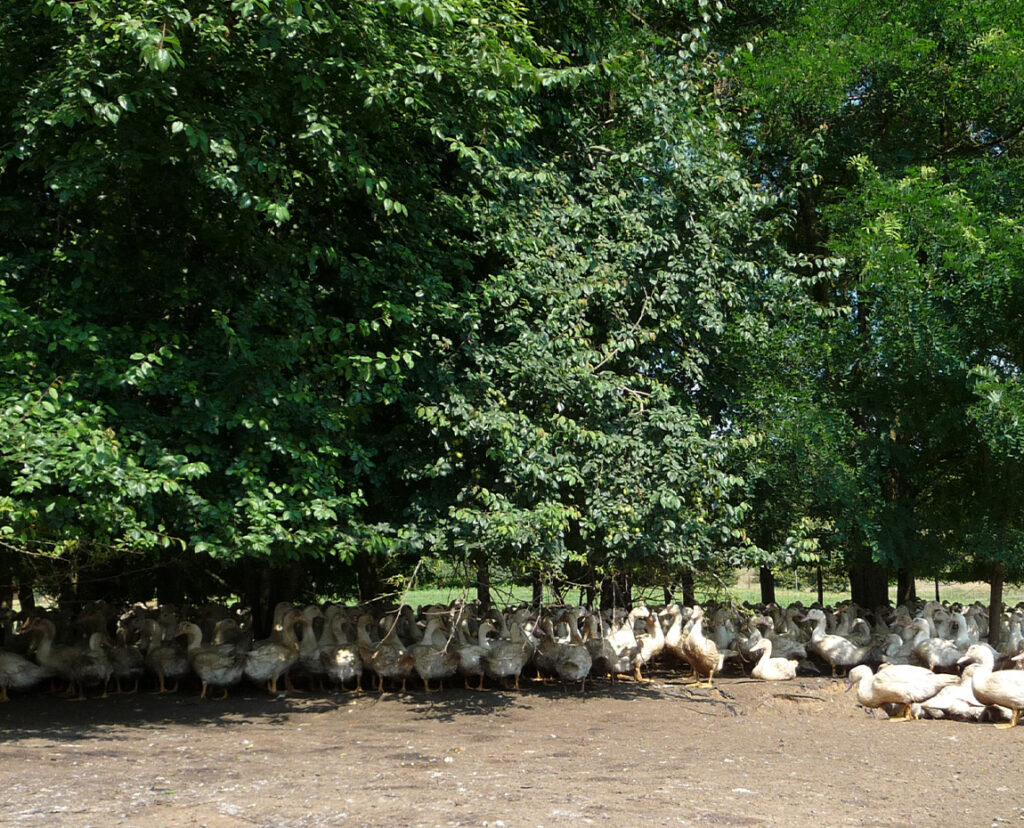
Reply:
x=701, y=653
x=217, y=665
x=56, y=658
x=783, y=645
x=80, y=666
x=569, y=661
x=838, y=652
x=768, y=668
x=723, y=628
x=651, y=645
x=388, y=658
x=431, y=661
x=674, y=635
x=340, y=659
x=615, y=654
x=471, y=656
x=895, y=650
x=309, y=664
x=1002, y=687
x=127, y=662
x=932, y=651
x=901, y=684
x=92, y=666
x=228, y=631
x=19, y=673
x=507, y=655
x=164, y=658
x=957, y=701
x=273, y=657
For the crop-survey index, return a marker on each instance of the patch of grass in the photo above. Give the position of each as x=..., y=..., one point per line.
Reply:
x=746, y=588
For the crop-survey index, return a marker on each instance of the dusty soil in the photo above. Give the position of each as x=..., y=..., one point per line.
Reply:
x=796, y=753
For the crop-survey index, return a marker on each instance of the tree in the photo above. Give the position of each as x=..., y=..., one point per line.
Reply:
x=581, y=419
x=230, y=225
x=902, y=127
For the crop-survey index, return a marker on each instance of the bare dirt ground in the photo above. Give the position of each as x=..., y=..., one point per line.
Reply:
x=794, y=753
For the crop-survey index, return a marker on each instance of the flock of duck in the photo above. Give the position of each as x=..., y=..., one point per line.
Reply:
x=928, y=660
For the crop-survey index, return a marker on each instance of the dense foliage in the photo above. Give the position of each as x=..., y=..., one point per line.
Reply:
x=294, y=294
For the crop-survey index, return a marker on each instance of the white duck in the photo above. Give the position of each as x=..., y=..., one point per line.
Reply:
x=614, y=654
x=838, y=652
x=931, y=650
x=768, y=668
x=18, y=673
x=1002, y=687
x=651, y=645
x=674, y=635
x=902, y=684
x=957, y=701
x=701, y=653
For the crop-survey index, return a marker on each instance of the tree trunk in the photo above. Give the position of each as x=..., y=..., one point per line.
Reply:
x=869, y=584
x=26, y=594
x=616, y=591
x=821, y=587
x=906, y=588
x=367, y=581
x=256, y=586
x=767, y=579
x=284, y=583
x=537, y=583
x=7, y=590
x=591, y=586
x=483, y=581
x=686, y=582
x=170, y=584
x=995, y=604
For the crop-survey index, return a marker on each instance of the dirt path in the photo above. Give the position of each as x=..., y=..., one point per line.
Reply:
x=799, y=753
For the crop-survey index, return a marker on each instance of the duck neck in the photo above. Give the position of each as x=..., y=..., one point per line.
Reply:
x=865, y=691
x=45, y=645
x=675, y=630
x=363, y=631
x=654, y=629
x=308, y=645
x=338, y=631
x=194, y=636
x=481, y=636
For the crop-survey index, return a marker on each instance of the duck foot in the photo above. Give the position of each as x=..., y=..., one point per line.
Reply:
x=1011, y=723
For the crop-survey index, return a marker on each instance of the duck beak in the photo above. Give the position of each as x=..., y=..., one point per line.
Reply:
x=849, y=685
